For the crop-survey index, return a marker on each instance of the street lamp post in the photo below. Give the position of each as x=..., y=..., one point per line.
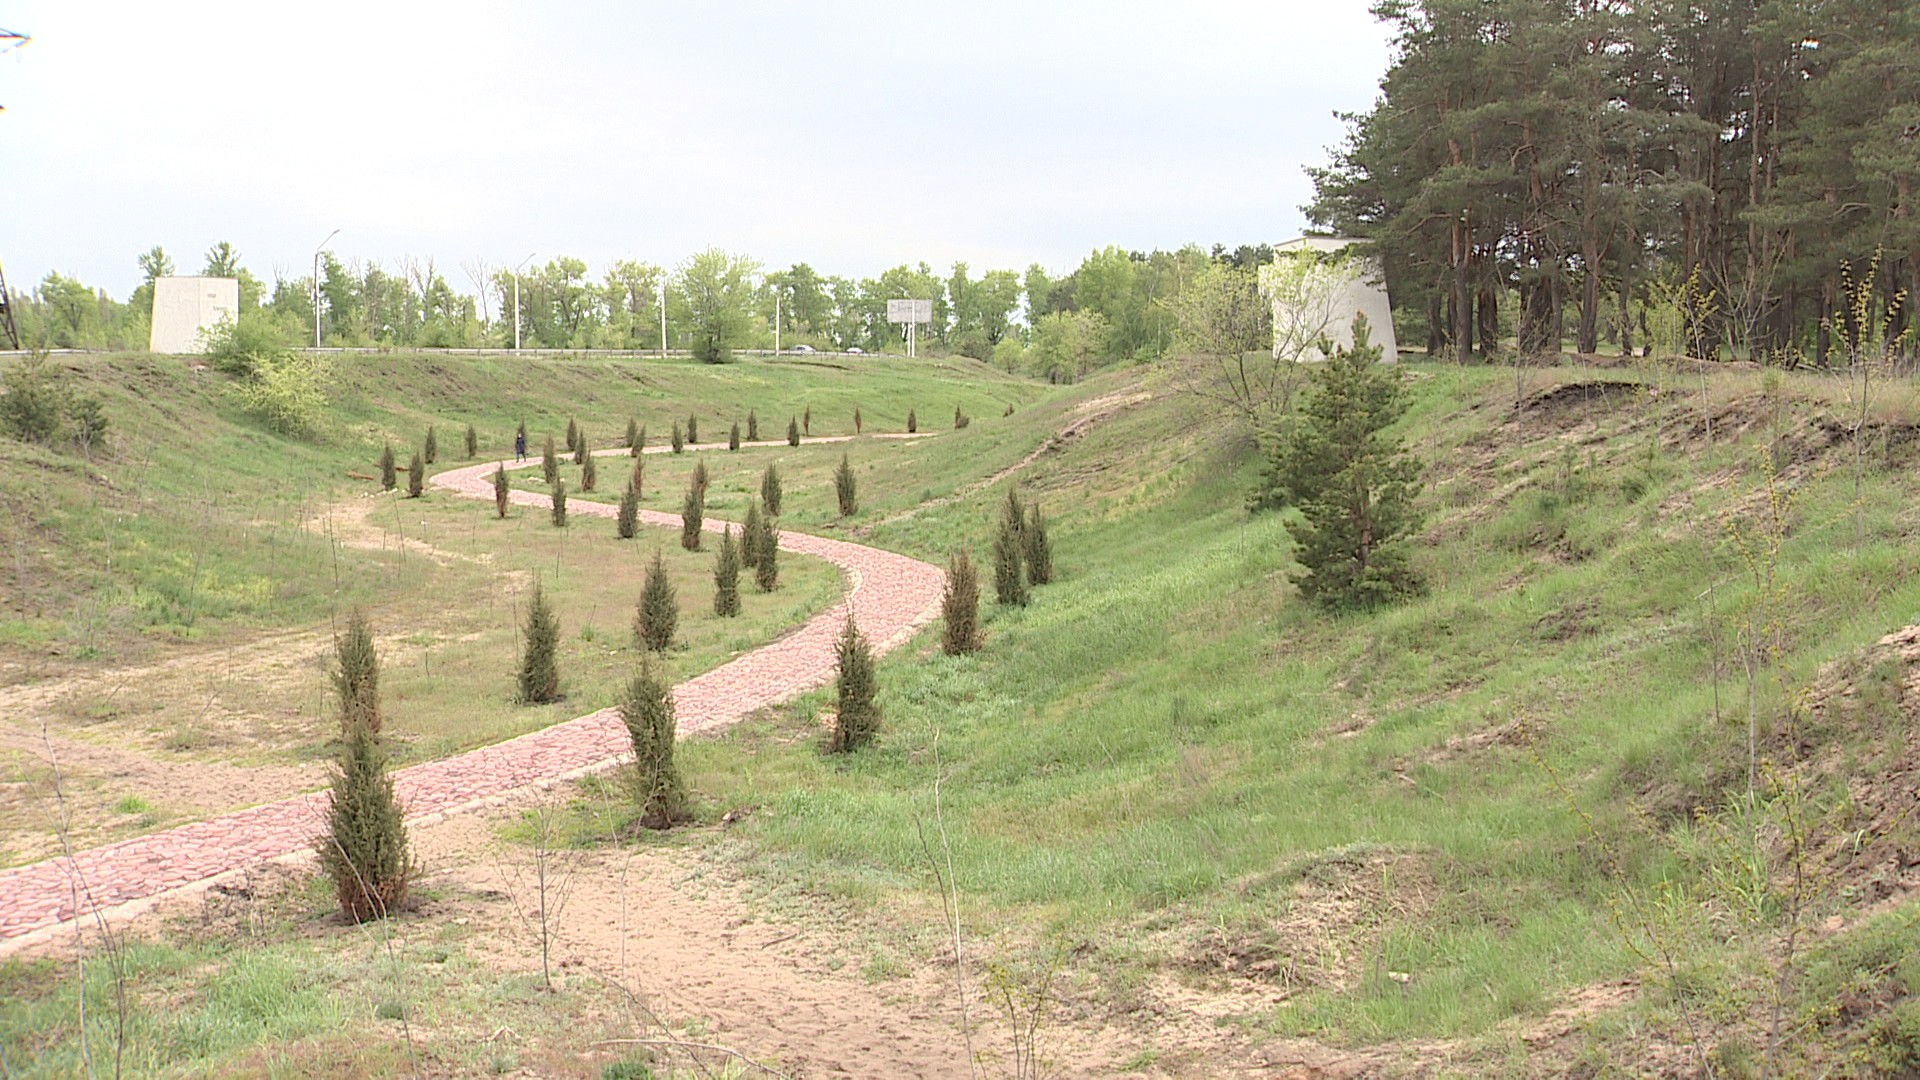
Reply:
x=316, y=285
x=516, y=299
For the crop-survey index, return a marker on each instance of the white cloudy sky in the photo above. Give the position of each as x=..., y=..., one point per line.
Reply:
x=851, y=135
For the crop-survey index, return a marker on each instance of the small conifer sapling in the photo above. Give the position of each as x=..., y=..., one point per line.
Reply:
x=501, y=491
x=639, y=444
x=913, y=422
x=693, y=430
x=733, y=437
x=638, y=481
x=647, y=710
x=559, y=504
x=679, y=440
x=693, y=512
x=1039, y=550
x=750, y=536
x=658, y=616
x=430, y=449
x=389, y=476
x=473, y=443
x=793, y=432
x=588, y=474
x=364, y=850
x=766, y=564
x=633, y=434
x=539, y=655
x=416, y=476
x=726, y=577
x=1009, y=577
x=858, y=718
x=356, y=675
x=806, y=421
x=573, y=436
x=626, y=521
x=960, y=607
x=857, y=423
x=843, y=488
x=770, y=489
x=549, y=462
x=753, y=426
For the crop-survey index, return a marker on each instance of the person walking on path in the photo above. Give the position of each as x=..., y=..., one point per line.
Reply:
x=520, y=445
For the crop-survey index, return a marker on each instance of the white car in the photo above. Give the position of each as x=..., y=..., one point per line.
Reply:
x=801, y=349
x=856, y=350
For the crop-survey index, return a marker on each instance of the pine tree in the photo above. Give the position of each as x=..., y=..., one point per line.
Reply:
x=693, y=430
x=639, y=444
x=806, y=421
x=550, y=462
x=726, y=577
x=365, y=848
x=1353, y=484
x=539, y=658
x=559, y=504
x=750, y=536
x=659, y=612
x=766, y=561
x=633, y=435
x=793, y=432
x=581, y=451
x=589, y=475
x=431, y=448
x=699, y=478
x=416, y=476
x=1039, y=550
x=960, y=607
x=960, y=419
x=625, y=523
x=753, y=426
x=638, y=481
x=473, y=443
x=843, y=488
x=356, y=675
x=647, y=711
x=770, y=489
x=501, y=491
x=1015, y=512
x=389, y=478
x=679, y=440
x=913, y=422
x=1009, y=582
x=733, y=437
x=693, y=511
x=573, y=437
x=857, y=425
x=858, y=719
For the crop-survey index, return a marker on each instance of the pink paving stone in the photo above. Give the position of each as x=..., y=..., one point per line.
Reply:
x=891, y=597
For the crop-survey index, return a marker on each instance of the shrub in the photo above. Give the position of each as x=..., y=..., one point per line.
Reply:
x=647, y=711
x=559, y=504
x=750, y=536
x=679, y=441
x=626, y=522
x=960, y=419
x=913, y=422
x=766, y=562
x=770, y=489
x=1009, y=583
x=693, y=511
x=87, y=421
x=699, y=477
x=806, y=421
x=733, y=437
x=1039, y=550
x=389, y=476
x=573, y=438
x=859, y=716
x=843, y=488
x=589, y=475
x=430, y=449
x=288, y=392
x=753, y=426
x=581, y=451
x=638, y=445
x=793, y=432
x=501, y=491
x=416, y=476
x=1014, y=512
x=726, y=577
x=1009, y=411
x=638, y=481
x=365, y=848
x=693, y=430
x=857, y=424
x=473, y=443
x=35, y=405
x=356, y=675
x=633, y=434
x=960, y=607
x=539, y=658
x=659, y=612
x=550, y=462
x=248, y=346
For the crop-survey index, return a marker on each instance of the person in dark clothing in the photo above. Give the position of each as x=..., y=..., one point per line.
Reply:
x=520, y=445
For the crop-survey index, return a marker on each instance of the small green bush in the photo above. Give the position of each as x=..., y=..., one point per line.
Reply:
x=770, y=489
x=793, y=432
x=858, y=718
x=857, y=423
x=473, y=443
x=1039, y=550
x=389, y=475
x=726, y=577
x=647, y=710
x=501, y=491
x=733, y=437
x=573, y=438
x=559, y=496
x=753, y=426
x=550, y=462
x=539, y=657
x=658, y=616
x=416, y=476
x=843, y=488
x=693, y=431
x=1009, y=580
x=589, y=475
x=960, y=607
x=679, y=440
x=766, y=563
x=356, y=675
x=288, y=392
x=430, y=448
x=633, y=435
x=913, y=422
x=626, y=522
x=806, y=421
x=638, y=481
x=750, y=536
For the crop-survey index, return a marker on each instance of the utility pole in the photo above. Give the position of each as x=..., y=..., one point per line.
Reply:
x=7, y=326
x=663, y=317
x=316, y=285
x=516, y=299
x=776, y=320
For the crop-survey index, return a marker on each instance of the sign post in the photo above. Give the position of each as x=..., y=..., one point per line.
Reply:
x=913, y=313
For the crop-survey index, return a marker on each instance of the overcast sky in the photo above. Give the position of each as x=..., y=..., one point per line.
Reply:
x=853, y=136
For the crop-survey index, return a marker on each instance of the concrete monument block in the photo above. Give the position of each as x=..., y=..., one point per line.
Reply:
x=185, y=309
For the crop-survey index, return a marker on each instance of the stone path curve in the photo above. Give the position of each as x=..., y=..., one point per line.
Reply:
x=891, y=597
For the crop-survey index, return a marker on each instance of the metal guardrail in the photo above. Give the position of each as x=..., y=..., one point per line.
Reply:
x=377, y=350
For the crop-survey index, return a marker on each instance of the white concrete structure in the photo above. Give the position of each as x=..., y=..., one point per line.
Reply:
x=1309, y=304
x=186, y=308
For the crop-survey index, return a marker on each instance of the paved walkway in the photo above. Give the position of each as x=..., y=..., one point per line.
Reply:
x=891, y=597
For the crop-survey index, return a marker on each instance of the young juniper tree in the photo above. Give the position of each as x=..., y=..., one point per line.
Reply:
x=581, y=451
x=356, y=677
x=1009, y=580
x=416, y=476
x=389, y=478
x=647, y=710
x=700, y=478
x=625, y=522
x=913, y=422
x=633, y=435
x=857, y=425
x=549, y=462
x=573, y=437
x=588, y=474
x=766, y=560
x=679, y=440
x=806, y=421
x=793, y=432
x=639, y=444
x=693, y=430
x=501, y=491
x=659, y=612
x=539, y=657
x=431, y=448
x=733, y=437
x=693, y=512
x=843, y=488
x=559, y=504
x=960, y=607
x=750, y=536
x=726, y=577
x=1039, y=549
x=753, y=425
x=364, y=850
x=770, y=489
x=473, y=443
x=1353, y=484
x=859, y=716
x=638, y=481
